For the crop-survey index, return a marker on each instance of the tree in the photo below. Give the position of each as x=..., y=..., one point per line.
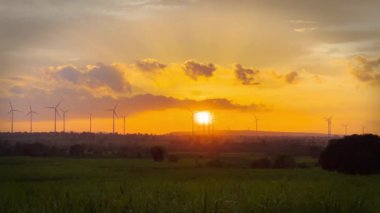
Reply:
x=158, y=153
x=77, y=149
x=355, y=154
x=284, y=161
x=262, y=163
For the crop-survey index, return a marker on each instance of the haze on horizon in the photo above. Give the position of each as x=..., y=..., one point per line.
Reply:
x=291, y=63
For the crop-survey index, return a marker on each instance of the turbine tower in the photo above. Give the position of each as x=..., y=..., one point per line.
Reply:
x=90, y=122
x=56, y=112
x=11, y=111
x=256, y=122
x=30, y=114
x=329, y=120
x=124, y=117
x=64, y=118
x=113, y=110
x=192, y=122
x=345, y=129
x=363, y=129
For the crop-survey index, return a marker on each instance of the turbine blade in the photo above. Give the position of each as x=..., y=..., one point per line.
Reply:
x=116, y=113
x=114, y=108
x=58, y=104
x=10, y=104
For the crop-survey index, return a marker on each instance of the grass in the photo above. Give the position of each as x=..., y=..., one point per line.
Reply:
x=141, y=185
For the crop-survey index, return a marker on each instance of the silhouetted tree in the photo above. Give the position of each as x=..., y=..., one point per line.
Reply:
x=33, y=149
x=355, y=154
x=158, y=153
x=77, y=149
x=284, y=161
x=173, y=158
x=262, y=163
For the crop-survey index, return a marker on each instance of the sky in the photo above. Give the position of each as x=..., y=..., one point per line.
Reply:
x=289, y=63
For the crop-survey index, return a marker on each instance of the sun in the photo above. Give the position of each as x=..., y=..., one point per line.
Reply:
x=203, y=117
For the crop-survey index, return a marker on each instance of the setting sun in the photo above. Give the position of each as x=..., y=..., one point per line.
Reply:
x=203, y=117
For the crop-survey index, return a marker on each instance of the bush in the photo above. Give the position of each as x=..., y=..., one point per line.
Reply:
x=284, y=161
x=173, y=158
x=262, y=163
x=356, y=154
x=158, y=153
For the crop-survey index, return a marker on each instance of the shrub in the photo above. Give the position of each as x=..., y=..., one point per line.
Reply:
x=262, y=163
x=284, y=161
x=158, y=153
x=356, y=154
x=173, y=158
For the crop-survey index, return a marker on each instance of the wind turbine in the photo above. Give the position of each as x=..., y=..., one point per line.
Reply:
x=64, y=118
x=329, y=119
x=124, y=117
x=113, y=110
x=363, y=129
x=213, y=122
x=11, y=111
x=345, y=128
x=30, y=113
x=90, y=122
x=256, y=122
x=56, y=112
x=192, y=121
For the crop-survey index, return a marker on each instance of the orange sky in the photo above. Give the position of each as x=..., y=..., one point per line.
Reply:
x=287, y=63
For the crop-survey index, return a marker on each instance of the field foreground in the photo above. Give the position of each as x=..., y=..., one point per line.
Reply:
x=136, y=185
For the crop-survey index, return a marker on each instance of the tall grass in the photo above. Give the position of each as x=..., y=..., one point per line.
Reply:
x=117, y=185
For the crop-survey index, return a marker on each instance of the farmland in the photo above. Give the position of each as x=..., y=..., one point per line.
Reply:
x=64, y=184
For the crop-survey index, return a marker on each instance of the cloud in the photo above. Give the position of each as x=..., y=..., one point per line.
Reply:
x=246, y=76
x=70, y=74
x=366, y=70
x=93, y=76
x=82, y=102
x=149, y=65
x=195, y=69
x=291, y=77
x=305, y=29
x=146, y=102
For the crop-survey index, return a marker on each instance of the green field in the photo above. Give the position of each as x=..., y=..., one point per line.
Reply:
x=141, y=185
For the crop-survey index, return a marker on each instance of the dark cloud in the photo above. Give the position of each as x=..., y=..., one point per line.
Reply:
x=291, y=77
x=82, y=102
x=366, y=70
x=70, y=74
x=97, y=76
x=149, y=65
x=246, y=76
x=195, y=69
x=153, y=102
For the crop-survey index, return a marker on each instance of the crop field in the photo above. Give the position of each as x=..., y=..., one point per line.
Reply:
x=142, y=185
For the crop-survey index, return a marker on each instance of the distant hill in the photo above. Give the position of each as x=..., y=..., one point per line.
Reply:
x=254, y=133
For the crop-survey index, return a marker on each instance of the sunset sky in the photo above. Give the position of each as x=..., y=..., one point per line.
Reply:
x=290, y=63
